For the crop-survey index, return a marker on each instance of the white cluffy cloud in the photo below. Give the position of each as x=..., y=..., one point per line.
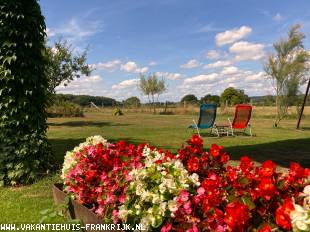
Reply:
x=108, y=66
x=193, y=63
x=132, y=67
x=218, y=64
x=169, y=75
x=247, y=51
x=230, y=70
x=131, y=83
x=202, y=78
x=231, y=36
x=213, y=55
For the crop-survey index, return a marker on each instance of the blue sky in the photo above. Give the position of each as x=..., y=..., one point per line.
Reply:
x=199, y=47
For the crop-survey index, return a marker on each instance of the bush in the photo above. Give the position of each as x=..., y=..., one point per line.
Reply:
x=65, y=109
x=118, y=112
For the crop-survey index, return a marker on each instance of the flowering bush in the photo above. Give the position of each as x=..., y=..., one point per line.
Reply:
x=154, y=189
x=193, y=190
x=96, y=173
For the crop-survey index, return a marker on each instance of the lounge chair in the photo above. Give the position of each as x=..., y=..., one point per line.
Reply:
x=207, y=115
x=241, y=120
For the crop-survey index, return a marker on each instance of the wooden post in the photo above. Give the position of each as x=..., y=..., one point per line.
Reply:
x=303, y=105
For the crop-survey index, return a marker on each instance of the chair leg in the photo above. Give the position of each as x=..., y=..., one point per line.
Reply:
x=250, y=130
x=198, y=131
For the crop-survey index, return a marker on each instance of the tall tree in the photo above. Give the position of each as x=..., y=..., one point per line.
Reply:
x=232, y=96
x=64, y=64
x=189, y=98
x=24, y=149
x=287, y=68
x=152, y=86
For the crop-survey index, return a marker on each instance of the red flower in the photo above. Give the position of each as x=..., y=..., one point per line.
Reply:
x=166, y=228
x=193, y=164
x=215, y=150
x=268, y=168
x=195, y=141
x=265, y=228
x=283, y=214
x=236, y=216
x=267, y=188
x=246, y=164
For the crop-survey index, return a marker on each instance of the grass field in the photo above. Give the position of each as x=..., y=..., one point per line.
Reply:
x=283, y=144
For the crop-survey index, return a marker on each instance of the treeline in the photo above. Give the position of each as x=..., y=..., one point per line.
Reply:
x=85, y=100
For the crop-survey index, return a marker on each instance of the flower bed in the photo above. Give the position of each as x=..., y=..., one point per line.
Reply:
x=193, y=190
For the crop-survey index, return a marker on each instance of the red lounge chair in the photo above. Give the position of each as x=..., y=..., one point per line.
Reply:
x=242, y=119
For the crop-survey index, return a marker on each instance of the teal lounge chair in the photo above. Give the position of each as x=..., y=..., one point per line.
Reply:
x=206, y=119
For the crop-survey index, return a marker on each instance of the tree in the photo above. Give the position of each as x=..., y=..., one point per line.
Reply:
x=24, y=151
x=152, y=86
x=132, y=101
x=64, y=65
x=287, y=68
x=210, y=99
x=232, y=96
x=189, y=98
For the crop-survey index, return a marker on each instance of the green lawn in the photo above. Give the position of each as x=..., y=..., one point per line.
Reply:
x=284, y=144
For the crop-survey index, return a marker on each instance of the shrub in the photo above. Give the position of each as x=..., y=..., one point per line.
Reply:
x=118, y=112
x=65, y=109
x=23, y=92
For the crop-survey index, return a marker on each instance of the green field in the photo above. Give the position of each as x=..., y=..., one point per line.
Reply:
x=283, y=144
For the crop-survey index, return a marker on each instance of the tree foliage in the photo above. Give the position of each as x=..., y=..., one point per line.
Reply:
x=132, y=101
x=189, y=98
x=84, y=100
x=287, y=68
x=152, y=86
x=210, y=99
x=232, y=96
x=65, y=65
x=23, y=92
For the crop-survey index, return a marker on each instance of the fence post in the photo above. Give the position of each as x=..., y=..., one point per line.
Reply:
x=303, y=105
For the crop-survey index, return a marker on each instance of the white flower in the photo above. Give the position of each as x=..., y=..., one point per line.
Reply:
x=306, y=204
x=307, y=190
x=172, y=206
x=195, y=178
x=302, y=226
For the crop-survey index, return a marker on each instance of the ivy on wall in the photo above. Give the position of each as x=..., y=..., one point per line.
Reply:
x=24, y=150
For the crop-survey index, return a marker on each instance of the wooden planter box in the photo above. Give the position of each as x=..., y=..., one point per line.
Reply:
x=76, y=210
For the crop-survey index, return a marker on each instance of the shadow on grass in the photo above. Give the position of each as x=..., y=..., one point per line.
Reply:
x=86, y=123
x=281, y=152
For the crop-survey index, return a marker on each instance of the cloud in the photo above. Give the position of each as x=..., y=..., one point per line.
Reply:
x=83, y=85
x=131, y=83
x=247, y=51
x=76, y=29
x=254, y=83
x=278, y=17
x=230, y=70
x=152, y=63
x=231, y=36
x=168, y=75
x=108, y=66
x=132, y=67
x=207, y=28
x=213, y=55
x=218, y=64
x=202, y=79
x=193, y=63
